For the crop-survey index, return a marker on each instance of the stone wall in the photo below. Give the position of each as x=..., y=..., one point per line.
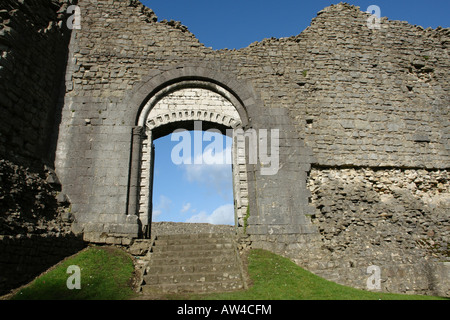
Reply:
x=371, y=97
x=24, y=257
x=33, y=54
x=35, y=220
x=35, y=224
x=393, y=218
x=348, y=101
x=407, y=209
x=31, y=201
x=342, y=95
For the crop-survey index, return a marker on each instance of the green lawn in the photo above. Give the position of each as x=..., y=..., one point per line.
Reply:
x=278, y=278
x=106, y=274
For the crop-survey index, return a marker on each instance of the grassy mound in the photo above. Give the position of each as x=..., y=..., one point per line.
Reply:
x=277, y=278
x=105, y=274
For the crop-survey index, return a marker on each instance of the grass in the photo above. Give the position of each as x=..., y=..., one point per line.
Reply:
x=277, y=278
x=106, y=274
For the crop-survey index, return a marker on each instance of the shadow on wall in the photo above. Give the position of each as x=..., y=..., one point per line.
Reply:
x=22, y=258
x=35, y=224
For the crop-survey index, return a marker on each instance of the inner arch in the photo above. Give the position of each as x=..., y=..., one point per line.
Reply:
x=193, y=104
x=193, y=84
x=183, y=106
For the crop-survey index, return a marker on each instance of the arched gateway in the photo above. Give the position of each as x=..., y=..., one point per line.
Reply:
x=110, y=142
x=183, y=98
x=185, y=104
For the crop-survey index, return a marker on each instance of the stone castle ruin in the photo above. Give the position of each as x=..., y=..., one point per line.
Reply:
x=364, y=136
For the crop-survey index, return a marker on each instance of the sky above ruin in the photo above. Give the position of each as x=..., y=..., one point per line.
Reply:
x=203, y=193
x=234, y=24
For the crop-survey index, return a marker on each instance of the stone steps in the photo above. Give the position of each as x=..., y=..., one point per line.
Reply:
x=194, y=277
x=190, y=288
x=193, y=263
x=193, y=268
x=178, y=248
x=190, y=257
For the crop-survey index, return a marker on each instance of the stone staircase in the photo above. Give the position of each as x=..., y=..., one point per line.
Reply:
x=192, y=263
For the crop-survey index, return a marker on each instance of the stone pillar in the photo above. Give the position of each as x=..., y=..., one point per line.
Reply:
x=133, y=184
x=146, y=218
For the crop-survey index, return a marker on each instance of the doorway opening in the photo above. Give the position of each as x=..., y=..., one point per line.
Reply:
x=193, y=184
x=188, y=143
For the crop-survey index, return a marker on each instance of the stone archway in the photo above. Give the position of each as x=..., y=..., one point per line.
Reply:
x=180, y=105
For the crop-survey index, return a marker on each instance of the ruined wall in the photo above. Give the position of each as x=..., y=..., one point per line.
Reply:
x=35, y=222
x=342, y=95
x=33, y=53
x=107, y=71
x=396, y=219
x=374, y=98
x=364, y=141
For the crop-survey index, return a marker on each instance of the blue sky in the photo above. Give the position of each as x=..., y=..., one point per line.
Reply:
x=237, y=23
x=202, y=193
x=193, y=192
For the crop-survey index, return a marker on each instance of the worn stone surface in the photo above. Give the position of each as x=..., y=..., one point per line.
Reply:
x=167, y=228
x=29, y=202
x=35, y=224
x=407, y=209
x=33, y=54
x=35, y=218
x=393, y=218
x=366, y=109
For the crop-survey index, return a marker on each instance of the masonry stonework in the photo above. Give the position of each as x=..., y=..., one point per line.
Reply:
x=363, y=120
x=35, y=219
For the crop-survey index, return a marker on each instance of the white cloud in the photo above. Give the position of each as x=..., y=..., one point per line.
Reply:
x=156, y=213
x=214, y=155
x=214, y=172
x=222, y=215
x=185, y=207
x=163, y=205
